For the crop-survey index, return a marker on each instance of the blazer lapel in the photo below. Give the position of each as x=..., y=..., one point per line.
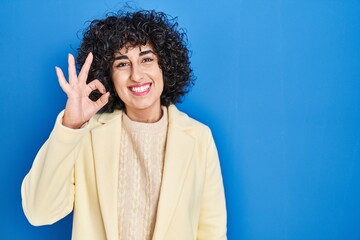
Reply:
x=179, y=152
x=178, y=155
x=106, y=144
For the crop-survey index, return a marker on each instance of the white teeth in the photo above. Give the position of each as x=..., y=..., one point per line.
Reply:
x=140, y=89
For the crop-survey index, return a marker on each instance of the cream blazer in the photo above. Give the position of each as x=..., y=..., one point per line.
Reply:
x=77, y=170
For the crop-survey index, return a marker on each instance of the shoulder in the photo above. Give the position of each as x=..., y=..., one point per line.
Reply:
x=182, y=121
x=104, y=118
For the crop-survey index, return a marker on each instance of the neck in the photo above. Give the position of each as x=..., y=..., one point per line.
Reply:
x=145, y=115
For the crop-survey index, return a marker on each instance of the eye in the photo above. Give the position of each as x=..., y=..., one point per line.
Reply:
x=122, y=64
x=148, y=59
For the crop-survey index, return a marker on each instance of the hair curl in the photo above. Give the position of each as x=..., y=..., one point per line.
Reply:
x=129, y=29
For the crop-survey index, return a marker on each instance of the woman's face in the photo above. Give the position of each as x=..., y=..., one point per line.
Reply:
x=138, y=81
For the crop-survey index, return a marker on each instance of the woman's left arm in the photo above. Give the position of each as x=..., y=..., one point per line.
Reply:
x=212, y=223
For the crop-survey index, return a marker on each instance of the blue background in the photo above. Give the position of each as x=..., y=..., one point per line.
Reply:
x=277, y=81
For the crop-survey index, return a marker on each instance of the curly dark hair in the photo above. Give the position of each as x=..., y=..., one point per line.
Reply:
x=106, y=36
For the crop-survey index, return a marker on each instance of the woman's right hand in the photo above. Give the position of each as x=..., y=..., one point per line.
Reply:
x=79, y=107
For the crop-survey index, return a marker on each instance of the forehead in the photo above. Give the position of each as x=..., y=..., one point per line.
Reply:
x=128, y=49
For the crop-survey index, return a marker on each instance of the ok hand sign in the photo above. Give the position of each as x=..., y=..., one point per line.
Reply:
x=79, y=107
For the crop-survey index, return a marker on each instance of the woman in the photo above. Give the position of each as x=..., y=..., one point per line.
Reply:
x=121, y=156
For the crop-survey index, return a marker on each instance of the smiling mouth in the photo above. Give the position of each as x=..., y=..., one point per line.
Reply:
x=141, y=89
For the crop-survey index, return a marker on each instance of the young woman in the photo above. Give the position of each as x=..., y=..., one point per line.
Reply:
x=121, y=155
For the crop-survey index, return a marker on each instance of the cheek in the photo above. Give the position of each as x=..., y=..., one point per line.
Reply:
x=118, y=79
x=160, y=77
x=161, y=81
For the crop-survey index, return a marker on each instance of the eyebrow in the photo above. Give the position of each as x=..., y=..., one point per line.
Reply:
x=140, y=54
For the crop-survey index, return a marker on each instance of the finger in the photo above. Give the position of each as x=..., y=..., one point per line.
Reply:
x=72, y=69
x=86, y=67
x=103, y=100
x=95, y=84
x=62, y=80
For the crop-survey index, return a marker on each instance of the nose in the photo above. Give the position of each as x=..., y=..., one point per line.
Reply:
x=136, y=73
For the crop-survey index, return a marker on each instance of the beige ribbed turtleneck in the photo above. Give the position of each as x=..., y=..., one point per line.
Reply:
x=140, y=172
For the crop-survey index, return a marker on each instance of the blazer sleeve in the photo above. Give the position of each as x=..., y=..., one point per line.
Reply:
x=212, y=224
x=48, y=189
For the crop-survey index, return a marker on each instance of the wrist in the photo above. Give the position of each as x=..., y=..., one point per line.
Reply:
x=71, y=124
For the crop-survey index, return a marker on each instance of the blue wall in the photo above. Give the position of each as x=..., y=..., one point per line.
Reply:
x=278, y=83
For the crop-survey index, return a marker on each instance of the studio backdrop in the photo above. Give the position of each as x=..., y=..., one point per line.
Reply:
x=278, y=82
